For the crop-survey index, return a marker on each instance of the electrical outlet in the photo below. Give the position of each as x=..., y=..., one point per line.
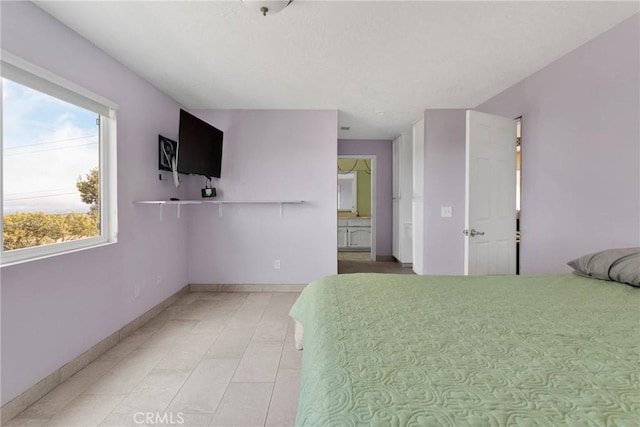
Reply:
x=136, y=291
x=446, y=211
x=277, y=264
x=159, y=280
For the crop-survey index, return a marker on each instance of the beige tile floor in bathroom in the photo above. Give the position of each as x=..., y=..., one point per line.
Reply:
x=210, y=359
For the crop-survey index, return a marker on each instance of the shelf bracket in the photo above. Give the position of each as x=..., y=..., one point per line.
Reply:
x=178, y=212
x=281, y=209
x=220, y=210
x=161, y=206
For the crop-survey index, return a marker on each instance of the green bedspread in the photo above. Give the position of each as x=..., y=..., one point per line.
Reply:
x=390, y=350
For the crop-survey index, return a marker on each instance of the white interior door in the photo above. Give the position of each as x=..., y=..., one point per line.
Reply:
x=395, y=243
x=395, y=176
x=395, y=194
x=417, y=207
x=490, y=192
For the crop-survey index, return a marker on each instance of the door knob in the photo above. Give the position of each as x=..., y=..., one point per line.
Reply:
x=473, y=232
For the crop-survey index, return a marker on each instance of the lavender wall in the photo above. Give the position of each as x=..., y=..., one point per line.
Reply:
x=444, y=176
x=55, y=309
x=580, y=150
x=382, y=149
x=268, y=155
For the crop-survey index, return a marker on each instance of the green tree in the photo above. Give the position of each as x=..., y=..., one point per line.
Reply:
x=89, y=189
x=79, y=225
x=27, y=229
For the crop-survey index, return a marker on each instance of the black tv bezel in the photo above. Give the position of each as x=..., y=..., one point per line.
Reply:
x=204, y=125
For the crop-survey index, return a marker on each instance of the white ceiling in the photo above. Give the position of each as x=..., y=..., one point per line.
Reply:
x=379, y=63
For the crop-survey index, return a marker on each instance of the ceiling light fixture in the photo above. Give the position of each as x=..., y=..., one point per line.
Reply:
x=267, y=6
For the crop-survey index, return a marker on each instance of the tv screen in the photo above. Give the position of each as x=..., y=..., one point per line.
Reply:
x=199, y=147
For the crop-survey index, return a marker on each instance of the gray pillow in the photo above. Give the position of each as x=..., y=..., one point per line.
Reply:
x=620, y=265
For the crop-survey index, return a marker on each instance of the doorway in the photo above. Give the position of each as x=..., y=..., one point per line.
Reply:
x=356, y=208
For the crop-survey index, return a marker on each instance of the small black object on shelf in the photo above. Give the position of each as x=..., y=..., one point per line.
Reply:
x=208, y=190
x=174, y=199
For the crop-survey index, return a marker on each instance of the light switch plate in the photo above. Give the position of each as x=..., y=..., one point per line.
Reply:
x=446, y=211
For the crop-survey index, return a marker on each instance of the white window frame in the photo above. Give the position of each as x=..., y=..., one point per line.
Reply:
x=27, y=74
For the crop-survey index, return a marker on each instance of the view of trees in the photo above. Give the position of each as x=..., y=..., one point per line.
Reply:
x=26, y=229
x=88, y=189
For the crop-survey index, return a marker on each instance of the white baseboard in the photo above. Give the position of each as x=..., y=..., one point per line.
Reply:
x=12, y=408
x=241, y=287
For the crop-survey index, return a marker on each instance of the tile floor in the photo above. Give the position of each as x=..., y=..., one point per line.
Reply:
x=354, y=256
x=210, y=359
x=359, y=262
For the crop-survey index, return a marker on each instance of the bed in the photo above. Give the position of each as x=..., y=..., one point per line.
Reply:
x=397, y=350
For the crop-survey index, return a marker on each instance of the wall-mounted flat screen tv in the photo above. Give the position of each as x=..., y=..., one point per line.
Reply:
x=199, y=147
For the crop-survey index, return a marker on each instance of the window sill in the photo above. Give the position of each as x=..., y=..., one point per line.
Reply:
x=11, y=261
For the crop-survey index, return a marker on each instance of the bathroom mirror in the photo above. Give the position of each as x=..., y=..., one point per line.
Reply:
x=347, y=191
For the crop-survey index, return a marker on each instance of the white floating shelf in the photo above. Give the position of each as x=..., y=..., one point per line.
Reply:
x=179, y=203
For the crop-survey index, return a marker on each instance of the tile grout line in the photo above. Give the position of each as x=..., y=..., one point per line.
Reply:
x=240, y=360
x=82, y=393
x=284, y=342
x=205, y=356
x=118, y=334
x=138, y=383
x=264, y=313
x=154, y=366
x=201, y=359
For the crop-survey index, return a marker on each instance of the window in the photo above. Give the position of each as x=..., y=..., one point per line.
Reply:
x=58, y=164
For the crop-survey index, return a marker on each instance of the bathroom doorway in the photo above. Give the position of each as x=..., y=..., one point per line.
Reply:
x=356, y=201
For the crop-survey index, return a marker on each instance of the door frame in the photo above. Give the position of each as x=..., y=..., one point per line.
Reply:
x=519, y=189
x=372, y=158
